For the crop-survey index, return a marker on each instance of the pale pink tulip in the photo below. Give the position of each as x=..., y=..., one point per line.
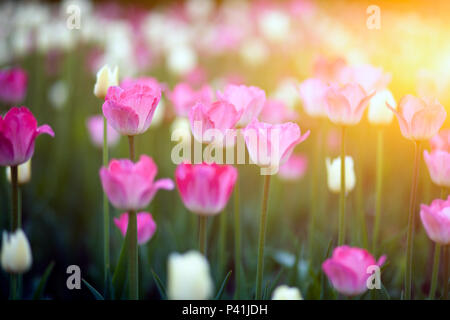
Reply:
x=95, y=128
x=184, y=97
x=13, y=85
x=438, y=163
x=146, y=226
x=131, y=186
x=312, y=92
x=205, y=188
x=348, y=269
x=127, y=83
x=328, y=69
x=276, y=111
x=294, y=168
x=370, y=78
x=419, y=119
x=441, y=141
x=436, y=220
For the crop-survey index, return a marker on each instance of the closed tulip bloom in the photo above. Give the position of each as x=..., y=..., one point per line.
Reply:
x=23, y=172
x=248, y=99
x=184, y=97
x=130, y=110
x=348, y=271
x=95, y=128
x=146, y=226
x=419, y=119
x=379, y=113
x=441, y=141
x=294, y=168
x=189, y=277
x=105, y=79
x=312, y=92
x=205, y=188
x=147, y=81
x=345, y=105
x=438, y=163
x=436, y=220
x=18, y=131
x=270, y=145
x=284, y=292
x=131, y=186
x=220, y=115
x=13, y=85
x=276, y=111
x=334, y=174
x=16, y=252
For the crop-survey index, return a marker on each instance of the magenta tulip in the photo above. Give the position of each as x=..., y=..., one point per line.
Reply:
x=95, y=128
x=18, y=131
x=13, y=85
x=131, y=186
x=146, y=226
x=436, y=220
x=184, y=97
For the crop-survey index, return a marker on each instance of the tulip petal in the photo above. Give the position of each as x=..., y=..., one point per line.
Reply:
x=427, y=122
x=45, y=129
x=121, y=118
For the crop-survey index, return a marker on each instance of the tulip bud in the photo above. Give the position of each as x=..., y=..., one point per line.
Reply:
x=334, y=174
x=379, y=113
x=286, y=293
x=105, y=78
x=189, y=277
x=16, y=252
x=23, y=172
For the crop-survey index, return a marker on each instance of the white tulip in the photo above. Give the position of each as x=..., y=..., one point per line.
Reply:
x=23, y=172
x=334, y=174
x=105, y=78
x=274, y=25
x=181, y=59
x=189, y=277
x=16, y=252
x=284, y=292
x=158, y=116
x=379, y=113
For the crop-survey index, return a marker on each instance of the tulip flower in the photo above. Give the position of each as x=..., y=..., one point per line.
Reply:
x=248, y=100
x=189, y=277
x=95, y=127
x=105, y=79
x=276, y=111
x=328, y=70
x=379, y=113
x=23, y=173
x=312, y=92
x=183, y=97
x=438, y=163
x=294, y=168
x=441, y=141
x=348, y=269
x=130, y=110
x=334, y=174
x=146, y=226
x=131, y=186
x=145, y=81
x=16, y=252
x=13, y=85
x=370, y=78
x=284, y=292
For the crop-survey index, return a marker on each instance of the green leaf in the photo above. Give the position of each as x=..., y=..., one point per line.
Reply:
x=109, y=289
x=222, y=287
x=94, y=292
x=120, y=273
x=41, y=287
x=159, y=285
x=321, y=277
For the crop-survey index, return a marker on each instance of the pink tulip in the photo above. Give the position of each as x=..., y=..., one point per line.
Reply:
x=438, y=163
x=312, y=92
x=219, y=115
x=205, y=188
x=367, y=76
x=328, y=70
x=131, y=186
x=248, y=99
x=419, y=119
x=348, y=270
x=13, y=85
x=270, y=145
x=183, y=97
x=294, y=168
x=441, y=141
x=18, y=131
x=95, y=127
x=146, y=226
x=345, y=105
x=276, y=111
x=127, y=83
x=436, y=220
x=130, y=110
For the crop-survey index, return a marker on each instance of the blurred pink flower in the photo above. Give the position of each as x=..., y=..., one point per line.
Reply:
x=146, y=226
x=248, y=99
x=131, y=186
x=294, y=168
x=151, y=82
x=328, y=69
x=312, y=92
x=95, y=128
x=13, y=85
x=348, y=271
x=438, y=163
x=276, y=111
x=367, y=76
x=271, y=144
x=205, y=188
x=419, y=119
x=184, y=97
x=441, y=141
x=436, y=220
x=18, y=131
x=130, y=110
x=196, y=76
x=345, y=105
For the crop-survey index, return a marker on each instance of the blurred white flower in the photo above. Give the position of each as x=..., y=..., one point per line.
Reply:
x=16, y=252
x=106, y=77
x=334, y=174
x=199, y=9
x=286, y=91
x=284, y=292
x=254, y=52
x=274, y=25
x=181, y=60
x=57, y=94
x=379, y=113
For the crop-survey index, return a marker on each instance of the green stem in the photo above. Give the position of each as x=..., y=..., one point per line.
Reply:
x=133, y=276
x=106, y=219
x=434, y=277
x=411, y=222
x=131, y=147
x=237, y=241
x=378, y=190
x=445, y=257
x=15, y=224
x=341, y=234
x=222, y=241
x=262, y=238
x=202, y=222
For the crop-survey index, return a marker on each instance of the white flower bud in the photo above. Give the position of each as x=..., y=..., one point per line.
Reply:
x=105, y=79
x=23, y=172
x=189, y=277
x=16, y=252
x=379, y=113
x=334, y=174
x=284, y=292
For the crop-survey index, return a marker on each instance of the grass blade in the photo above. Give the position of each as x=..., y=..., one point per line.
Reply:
x=41, y=287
